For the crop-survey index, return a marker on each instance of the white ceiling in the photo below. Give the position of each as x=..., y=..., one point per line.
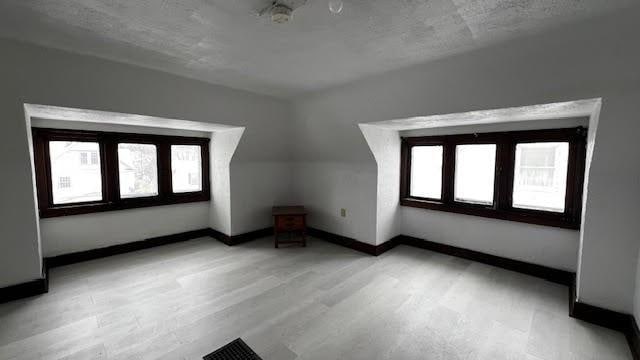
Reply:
x=223, y=42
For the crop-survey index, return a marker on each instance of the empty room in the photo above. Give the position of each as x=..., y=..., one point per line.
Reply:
x=319, y=179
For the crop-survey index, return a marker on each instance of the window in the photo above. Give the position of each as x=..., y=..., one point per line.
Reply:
x=526, y=176
x=194, y=179
x=137, y=170
x=475, y=173
x=186, y=165
x=85, y=156
x=426, y=171
x=540, y=176
x=94, y=158
x=64, y=182
x=79, y=172
x=73, y=183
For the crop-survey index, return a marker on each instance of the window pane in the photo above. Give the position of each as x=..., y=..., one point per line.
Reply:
x=540, y=176
x=73, y=178
x=186, y=168
x=138, y=170
x=426, y=172
x=475, y=172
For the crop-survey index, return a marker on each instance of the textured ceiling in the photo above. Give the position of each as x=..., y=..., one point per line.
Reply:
x=224, y=42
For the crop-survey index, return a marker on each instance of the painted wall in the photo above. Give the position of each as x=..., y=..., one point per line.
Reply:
x=256, y=188
x=595, y=58
x=20, y=259
x=223, y=146
x=68, y=234
x=544, y=245
x=385, y=146
x=36, y=75
x=636, y=298
x=326, y=187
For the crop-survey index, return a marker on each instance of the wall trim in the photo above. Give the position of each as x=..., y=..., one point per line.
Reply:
x=80, y=256
x=26, y=289
x=241, y=238
x=41, y=286
x=633, y=338
x=551, y=274
x=351, y=243
x=554, y=275
x=610, y=319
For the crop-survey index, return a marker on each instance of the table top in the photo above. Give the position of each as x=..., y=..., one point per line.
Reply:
x=289, y=210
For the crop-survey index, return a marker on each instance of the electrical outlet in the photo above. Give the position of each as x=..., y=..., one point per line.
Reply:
x=343, y=212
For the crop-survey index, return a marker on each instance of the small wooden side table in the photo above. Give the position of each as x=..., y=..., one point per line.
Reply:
x=290, y=219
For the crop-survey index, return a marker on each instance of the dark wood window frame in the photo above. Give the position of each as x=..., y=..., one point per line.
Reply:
x=503, y=186
x=108, y=143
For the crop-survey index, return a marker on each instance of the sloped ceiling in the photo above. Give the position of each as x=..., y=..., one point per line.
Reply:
x=224, y=42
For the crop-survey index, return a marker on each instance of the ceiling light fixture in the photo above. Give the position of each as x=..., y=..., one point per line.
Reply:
x=335, y=6
x=281, y=11
x=280, y=14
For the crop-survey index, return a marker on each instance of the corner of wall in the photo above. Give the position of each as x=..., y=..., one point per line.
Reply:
x=223, y=146
x=385, y=147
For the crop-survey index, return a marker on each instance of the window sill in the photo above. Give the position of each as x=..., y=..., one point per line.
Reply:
x=524, y=216
x=134, y=203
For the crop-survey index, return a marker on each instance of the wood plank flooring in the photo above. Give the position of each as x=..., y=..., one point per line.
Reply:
x=185, y=300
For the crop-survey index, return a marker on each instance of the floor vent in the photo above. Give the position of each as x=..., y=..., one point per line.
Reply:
x=235, y=350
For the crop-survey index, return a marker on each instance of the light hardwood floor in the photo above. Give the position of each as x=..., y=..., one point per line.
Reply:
x=320, y=302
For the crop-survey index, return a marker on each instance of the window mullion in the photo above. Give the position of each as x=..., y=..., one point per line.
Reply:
x=110, y=168
x=405, y=169
x=43, y=173
x=504, y=173
x=448, y=171
x=576, y=165
x=164, y=170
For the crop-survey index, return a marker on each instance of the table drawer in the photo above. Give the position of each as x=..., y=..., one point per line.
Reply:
x=289, y=223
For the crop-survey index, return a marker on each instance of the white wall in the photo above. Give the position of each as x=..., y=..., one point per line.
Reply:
x=63, y=235
x=610, y=233
x=326, y=187
x=36, y=75
x=385, y=146
x=223, y=145
x=264, y=185
x=543, y=245
x=596, y=58
x=636, y=298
